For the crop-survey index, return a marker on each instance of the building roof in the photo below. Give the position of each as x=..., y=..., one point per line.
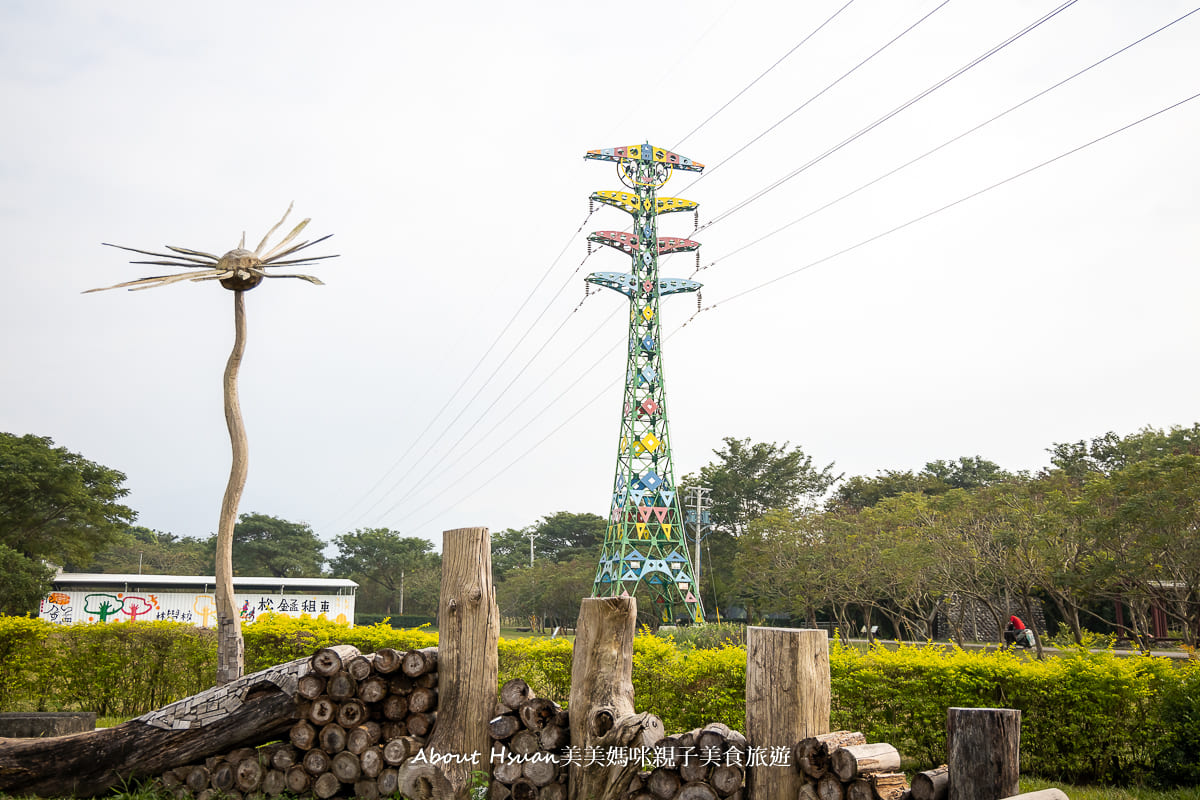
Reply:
x=66, y=579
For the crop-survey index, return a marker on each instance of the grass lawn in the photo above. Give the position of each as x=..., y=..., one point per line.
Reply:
x=514, y=633
x=1104, y=793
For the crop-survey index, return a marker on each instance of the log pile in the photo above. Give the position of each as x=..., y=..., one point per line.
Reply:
x=358, y=718
x=706, y=763
x=842, y=766
x=530, y=738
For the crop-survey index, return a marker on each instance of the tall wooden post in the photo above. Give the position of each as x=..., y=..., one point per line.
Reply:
x=230, y=658
x=468, y=631
x=787, y=699
x=601, y=703
x=983, y=750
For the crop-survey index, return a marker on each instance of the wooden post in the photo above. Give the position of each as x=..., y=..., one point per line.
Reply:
x=983, y=747
x=601, y=704
x=230, y=655
x=787, y=699
x=468, y=631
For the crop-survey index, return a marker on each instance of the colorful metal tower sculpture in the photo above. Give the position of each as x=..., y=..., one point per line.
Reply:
x=646, y=541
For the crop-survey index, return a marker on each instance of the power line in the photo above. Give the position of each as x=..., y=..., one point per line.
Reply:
x=903, y=106
x=748, y=86
x=806, y=103
x=948, y=206
x=947, y=143
x=464, y=382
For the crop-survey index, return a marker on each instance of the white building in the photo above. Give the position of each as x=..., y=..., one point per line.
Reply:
x=98, y=597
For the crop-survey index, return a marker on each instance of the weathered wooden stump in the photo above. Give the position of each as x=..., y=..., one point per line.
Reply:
x=787, y=699
x=466, y=661
x=983, y=747
x=601, y=704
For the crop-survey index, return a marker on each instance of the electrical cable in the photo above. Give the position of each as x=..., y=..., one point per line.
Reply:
x=805, y=104
x=946, y=207
x=946, y=143
x=748, y=86
x=464, y=382
x=902, y=107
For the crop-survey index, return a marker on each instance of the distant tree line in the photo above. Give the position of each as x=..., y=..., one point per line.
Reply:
x=59, y=509
x=1114, y=519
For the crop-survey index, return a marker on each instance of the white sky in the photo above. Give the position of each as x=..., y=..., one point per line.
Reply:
x=443, y=144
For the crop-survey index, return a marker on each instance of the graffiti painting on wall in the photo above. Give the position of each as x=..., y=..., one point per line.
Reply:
x=65, y=608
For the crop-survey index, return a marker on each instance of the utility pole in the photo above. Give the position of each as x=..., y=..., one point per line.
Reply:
x=646, y=540
x=531, y=536
x=698, y=514
x=402, y=593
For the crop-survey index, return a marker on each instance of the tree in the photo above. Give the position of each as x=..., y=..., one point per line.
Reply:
x=152, y=552
x=562, y=536
x=1149, y=514
x=548, y=593
x=781, y=565
x=272, y=547
x=938, y=477
x=55, y=506
x=969, y=472
x=1108, y=453
x=565, y=536
x=750, y=479
x=383, y=561
x=861, y=492
x=23, y=582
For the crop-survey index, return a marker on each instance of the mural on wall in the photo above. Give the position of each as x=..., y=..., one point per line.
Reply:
x=65, y=608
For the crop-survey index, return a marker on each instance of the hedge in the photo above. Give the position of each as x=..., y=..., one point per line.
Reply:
x=1085, y=716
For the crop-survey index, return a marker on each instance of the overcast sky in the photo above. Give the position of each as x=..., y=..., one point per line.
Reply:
x=443, y=144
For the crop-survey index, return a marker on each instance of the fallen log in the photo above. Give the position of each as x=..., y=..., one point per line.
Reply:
x=246, y=711
x=932, y=784
x=856, y=760
x=812, y=753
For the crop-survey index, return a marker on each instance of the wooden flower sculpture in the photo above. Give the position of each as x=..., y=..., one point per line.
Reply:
x=238, y=270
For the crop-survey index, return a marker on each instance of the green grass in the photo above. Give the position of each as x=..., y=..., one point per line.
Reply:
x=1107, y=793
x=513, y=633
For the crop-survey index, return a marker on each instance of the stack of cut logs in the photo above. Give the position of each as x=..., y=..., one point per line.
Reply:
x=842, y=766
x=529, y=755
x=703, y=764
x=358, y=720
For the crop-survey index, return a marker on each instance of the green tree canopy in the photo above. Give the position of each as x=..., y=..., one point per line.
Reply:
x=547, y=592
x=751, y=478
x=937, y=477
x=1108, y=453
x=382, y=560
x=272, y=547
x=55, y=504
x=23, y=582
x=153, y=553
x=561, y=536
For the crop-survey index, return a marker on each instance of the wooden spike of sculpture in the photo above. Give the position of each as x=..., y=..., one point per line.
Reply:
x=238, y=270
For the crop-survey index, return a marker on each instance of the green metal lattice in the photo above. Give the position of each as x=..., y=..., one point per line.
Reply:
x=645, y=543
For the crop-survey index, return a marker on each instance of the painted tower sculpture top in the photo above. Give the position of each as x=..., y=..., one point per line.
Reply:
x=645, y=543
